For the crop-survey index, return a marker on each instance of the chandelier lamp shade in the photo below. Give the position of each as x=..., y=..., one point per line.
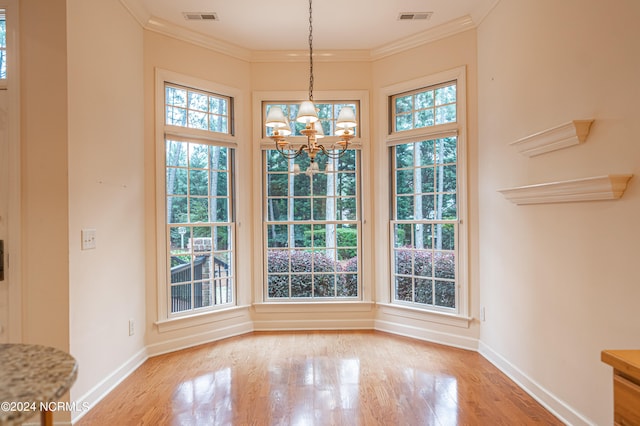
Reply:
x=308, y=115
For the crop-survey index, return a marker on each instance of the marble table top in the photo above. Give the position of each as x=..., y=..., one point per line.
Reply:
x=31, y=375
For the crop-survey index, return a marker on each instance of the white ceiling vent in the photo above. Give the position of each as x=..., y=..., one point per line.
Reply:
x=414, y=16
x=200, y=16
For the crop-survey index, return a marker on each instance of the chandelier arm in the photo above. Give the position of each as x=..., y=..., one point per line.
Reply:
x=333, y=155
x=290, y=155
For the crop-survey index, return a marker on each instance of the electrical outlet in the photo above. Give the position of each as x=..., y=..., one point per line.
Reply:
x=88, y=239
x=131, y=328
x=482, y=314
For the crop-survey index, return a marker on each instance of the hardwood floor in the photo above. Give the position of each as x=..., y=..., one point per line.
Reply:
x=318, y=378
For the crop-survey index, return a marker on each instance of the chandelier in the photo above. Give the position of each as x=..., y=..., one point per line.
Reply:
x=308, y=115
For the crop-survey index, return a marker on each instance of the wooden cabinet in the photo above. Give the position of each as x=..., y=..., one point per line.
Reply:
x=626, y=385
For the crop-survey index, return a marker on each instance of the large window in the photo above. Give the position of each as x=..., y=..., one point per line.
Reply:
x=199, y=202
x=425, y=195
x=312, y=222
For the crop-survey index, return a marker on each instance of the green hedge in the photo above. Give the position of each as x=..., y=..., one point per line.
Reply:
x=312, y=275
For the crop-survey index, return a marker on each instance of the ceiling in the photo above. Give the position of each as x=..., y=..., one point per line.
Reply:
x=263, y=25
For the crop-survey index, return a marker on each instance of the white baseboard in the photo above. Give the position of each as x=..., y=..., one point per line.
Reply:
x=308, y=325
x=418, y=333
x=102, y=389
x=173, y=345
x=35, y=421
x=555, y=405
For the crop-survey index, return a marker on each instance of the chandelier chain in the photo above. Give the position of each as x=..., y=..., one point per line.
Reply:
x=310, y=51
x=277, y=120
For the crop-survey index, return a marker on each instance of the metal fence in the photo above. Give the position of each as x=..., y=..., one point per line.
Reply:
x=208, y=288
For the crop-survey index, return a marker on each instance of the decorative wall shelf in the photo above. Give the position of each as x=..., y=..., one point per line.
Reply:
x=565, y=135
x=608, y=187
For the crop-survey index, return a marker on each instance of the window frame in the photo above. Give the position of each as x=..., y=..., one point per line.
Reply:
x=360, y=142
x=460, y=315
x=166, y=320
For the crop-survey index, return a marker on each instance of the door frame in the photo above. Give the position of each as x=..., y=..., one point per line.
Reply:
x=13, y=247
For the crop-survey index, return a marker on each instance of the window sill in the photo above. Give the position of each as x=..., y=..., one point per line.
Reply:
x=423, y=315
x=273, y=307
x=209, y=317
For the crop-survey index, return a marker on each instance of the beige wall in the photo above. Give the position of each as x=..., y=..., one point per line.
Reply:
x=294, y=76
x=559, y=281
x=106, y=191
x=44, y=132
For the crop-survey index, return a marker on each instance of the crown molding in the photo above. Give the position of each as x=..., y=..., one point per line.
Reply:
x=436, y=33
x=482, y=14
x=598, y=188
x=163, y=27
x=160, y=26
x=137, y=10
x=565, y=135
x=303, y=55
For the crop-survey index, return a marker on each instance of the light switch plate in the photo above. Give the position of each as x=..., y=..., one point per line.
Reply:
x=88, y=239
